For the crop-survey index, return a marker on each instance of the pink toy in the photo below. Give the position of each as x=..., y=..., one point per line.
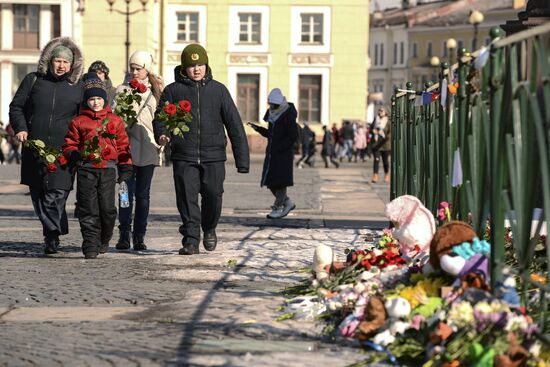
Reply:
x=414, y=224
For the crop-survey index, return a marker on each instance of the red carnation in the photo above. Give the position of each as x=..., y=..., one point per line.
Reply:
x=170, y=109
x=105, y=153
x=51, y=167
x=91, y=156
x=62, y=160
x=134, y=83
x=142, y=88
x=111, y=128
x=185, y=105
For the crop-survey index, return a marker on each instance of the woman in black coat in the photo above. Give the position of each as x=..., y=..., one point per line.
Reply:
x=42, y=108
x=281, y=135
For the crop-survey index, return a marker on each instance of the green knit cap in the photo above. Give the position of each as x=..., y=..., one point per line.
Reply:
x=193, y=54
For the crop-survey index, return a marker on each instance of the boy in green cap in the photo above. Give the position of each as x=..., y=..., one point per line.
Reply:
x=199, y=158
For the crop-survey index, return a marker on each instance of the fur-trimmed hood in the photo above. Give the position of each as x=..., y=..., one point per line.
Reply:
x=77, y=68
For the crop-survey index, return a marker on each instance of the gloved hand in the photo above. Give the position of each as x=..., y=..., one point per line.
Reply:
x=242, y=169
x=125, y=172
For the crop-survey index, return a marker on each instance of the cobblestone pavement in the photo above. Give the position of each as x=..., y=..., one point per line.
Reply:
x=159, y=308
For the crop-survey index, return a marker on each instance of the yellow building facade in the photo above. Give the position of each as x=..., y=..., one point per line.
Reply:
x=316, y=52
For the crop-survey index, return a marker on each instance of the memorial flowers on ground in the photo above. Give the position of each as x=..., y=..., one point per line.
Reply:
x=422, y=306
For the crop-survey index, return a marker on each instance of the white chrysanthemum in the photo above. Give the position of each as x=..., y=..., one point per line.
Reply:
x=516, y=322
x=461, y=314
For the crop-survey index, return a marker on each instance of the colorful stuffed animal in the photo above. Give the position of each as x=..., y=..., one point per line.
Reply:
x=414, y=224
x=449, y=235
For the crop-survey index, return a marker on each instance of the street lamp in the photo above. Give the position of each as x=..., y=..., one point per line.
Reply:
x=476, y=17
x=127, y=13
x=451, y=45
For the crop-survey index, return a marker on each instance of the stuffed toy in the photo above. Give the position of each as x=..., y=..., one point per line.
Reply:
x=322, y=257
x=375, y=315
x=448, y=235
x=414, y=224
x=397, y=309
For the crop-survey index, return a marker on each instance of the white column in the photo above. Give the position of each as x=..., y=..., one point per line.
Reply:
x=6, y=16
x=5, y=87
x=67, y=15
x=45, y=25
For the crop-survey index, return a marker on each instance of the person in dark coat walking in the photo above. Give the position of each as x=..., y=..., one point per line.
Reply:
x=277, y=173
x=42, y=108
x=198, y=159
x=328, y=148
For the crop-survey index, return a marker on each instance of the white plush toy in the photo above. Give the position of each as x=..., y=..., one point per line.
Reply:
x=396, y=309
x=322, y=257
x=414, y=224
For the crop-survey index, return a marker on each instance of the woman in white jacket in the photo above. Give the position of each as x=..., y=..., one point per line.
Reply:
x=145, y=152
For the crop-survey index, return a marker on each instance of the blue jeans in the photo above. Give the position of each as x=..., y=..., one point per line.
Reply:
x=139, y=187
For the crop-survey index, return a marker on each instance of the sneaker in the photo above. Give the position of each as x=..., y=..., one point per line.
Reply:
x=289, y=205
x=276, y=212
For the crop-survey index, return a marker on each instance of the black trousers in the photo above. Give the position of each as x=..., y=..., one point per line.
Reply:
x=49, y=206
x=192, y=179
x=95, y=193
x=385, y=155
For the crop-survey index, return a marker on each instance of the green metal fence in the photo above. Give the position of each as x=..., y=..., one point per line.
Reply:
x=496, y=128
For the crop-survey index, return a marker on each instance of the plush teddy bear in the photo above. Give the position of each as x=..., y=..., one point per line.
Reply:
x=449, y=235
x=414, y=224
x=375, y=315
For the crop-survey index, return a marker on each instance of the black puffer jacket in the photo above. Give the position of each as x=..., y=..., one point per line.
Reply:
x=212, y=109
x=44, y=106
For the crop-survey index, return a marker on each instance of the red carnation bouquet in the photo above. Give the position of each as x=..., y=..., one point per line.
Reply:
x=176, y=117
x=45, y=153
x=93, y=151
x=125, y=102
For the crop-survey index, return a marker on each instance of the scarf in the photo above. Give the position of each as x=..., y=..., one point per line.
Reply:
x=274, y=114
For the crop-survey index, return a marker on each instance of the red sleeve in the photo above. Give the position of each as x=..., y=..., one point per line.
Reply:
x=122, y=142
x=72, y=139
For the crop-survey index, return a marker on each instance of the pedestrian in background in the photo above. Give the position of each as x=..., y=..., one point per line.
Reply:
x=347, y=146
x=145, y=153
x=198, y=159
x=95, y=191
x=360, y=142
x=102, y=71
x=49, y=98
x=308, y=147
x=328, y=148
x=382, y=144
x=277, y=173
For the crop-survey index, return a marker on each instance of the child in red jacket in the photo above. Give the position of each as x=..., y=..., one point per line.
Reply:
x=98, y=141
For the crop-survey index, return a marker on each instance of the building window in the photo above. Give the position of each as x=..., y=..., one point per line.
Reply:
x=376, y=54
x=56, y=23
x=250, y=28
x=460, y=44
x=415, y=50
x=429, y=51
x=395, y=53
x=310, y=98
x=312, y=29
x=444, y=48
x=188, y=26
x=25, y=32
x=381, y=54
x=19, y=72
x=402, y=53
x=248, y=96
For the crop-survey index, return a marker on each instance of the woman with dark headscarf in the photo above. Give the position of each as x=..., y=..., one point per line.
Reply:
x=42, y=108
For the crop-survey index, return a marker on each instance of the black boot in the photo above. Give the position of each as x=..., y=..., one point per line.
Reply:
x=188, y=248
x=139, y=245
x=124, y=241
x=50, y=244
x=210, y=240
